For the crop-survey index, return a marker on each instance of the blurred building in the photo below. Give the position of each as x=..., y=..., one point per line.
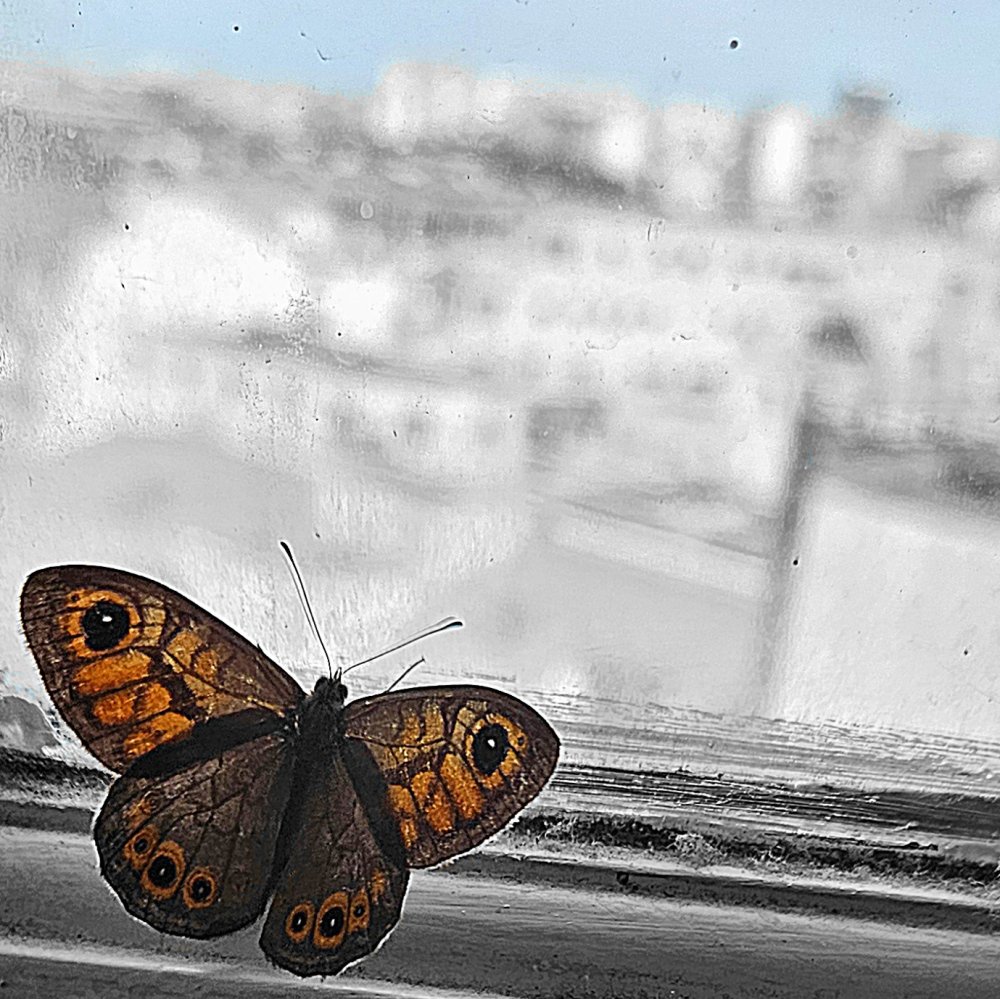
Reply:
x=478, y=294
x=690, y=161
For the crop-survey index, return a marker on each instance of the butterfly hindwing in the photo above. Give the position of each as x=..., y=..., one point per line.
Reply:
x=188, y=844
x=131, y=665
x=342, y=877
x=458, y=763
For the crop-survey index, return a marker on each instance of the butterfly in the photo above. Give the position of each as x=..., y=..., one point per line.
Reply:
x=237, y=787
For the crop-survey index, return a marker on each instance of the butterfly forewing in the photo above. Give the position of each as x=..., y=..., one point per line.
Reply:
x=131, y=664
x=190, y=851
x=458, y=763
x=342, y=877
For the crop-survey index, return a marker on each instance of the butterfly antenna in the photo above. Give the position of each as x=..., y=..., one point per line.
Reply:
x=402, y=675
x=442, y=625
x=300, y=588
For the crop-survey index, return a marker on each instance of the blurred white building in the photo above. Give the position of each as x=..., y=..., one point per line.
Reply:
x=620, y=141
x=425, y=101
x=779, y=153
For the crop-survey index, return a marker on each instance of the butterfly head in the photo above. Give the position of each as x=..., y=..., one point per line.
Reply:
x=330, y=690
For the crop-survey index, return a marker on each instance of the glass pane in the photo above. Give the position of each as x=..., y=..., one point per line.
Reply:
x=659, y=345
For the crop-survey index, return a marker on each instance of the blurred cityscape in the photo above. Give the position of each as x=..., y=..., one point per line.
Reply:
x=538, y=313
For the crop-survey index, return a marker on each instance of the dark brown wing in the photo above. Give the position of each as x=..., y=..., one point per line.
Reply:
x=341, y=886
x=191, y=850
x=131, y=664
x=458, y=762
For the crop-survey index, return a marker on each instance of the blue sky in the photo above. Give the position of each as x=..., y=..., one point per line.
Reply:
x=941, y=60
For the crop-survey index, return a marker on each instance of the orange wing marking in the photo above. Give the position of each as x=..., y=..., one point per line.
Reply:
x=299, y=922
x=200, y=889
x=462, y=786
x=379, y=884
x=156, y=731
x=193, y=654
x=433, y=801
x=131, y=704
x=360, y=912
x=165, y=870
x=145, y=621
x=111, y=672
x=331, y=921
x=511, y=762
x=402, y=803
x=140, y=846
x=414, y=733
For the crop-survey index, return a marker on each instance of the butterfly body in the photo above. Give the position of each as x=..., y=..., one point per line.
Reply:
x=237, y=788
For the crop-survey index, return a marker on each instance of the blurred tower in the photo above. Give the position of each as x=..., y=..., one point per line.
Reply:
x=451, y=104
x=618, y=150
x=778, y=160
x=872, y=154
x=398, y=105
